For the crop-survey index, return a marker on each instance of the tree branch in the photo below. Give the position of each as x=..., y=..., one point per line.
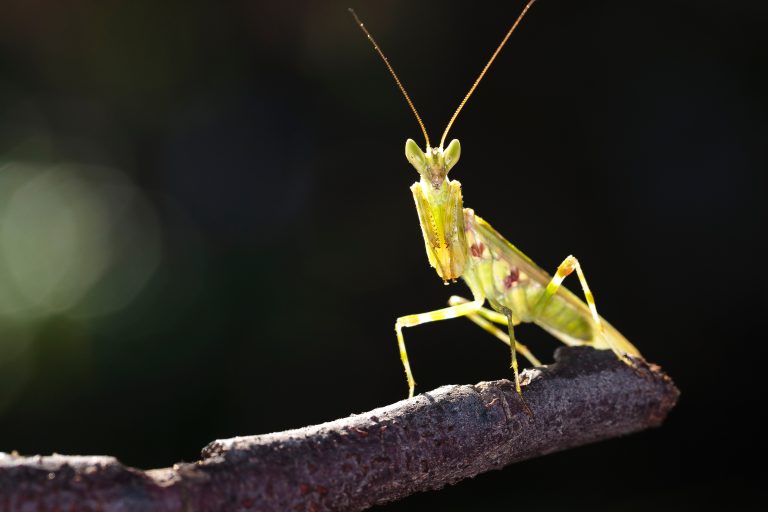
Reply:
x=350, y=464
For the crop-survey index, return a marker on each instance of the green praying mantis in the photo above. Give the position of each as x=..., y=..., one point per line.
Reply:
x=460, y=244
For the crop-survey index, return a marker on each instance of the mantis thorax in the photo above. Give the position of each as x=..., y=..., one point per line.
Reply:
x=439, y=204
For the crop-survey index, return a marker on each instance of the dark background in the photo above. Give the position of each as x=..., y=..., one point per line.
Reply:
x=206, y=229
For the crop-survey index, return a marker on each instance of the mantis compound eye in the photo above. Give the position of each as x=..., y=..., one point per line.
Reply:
x=415, y=155
x=452, y=154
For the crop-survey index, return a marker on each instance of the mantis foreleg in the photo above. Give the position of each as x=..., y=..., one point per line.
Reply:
x=423, y=318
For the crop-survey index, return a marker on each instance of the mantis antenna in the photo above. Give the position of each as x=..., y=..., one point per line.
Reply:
x=482, y=73
x=394, y=75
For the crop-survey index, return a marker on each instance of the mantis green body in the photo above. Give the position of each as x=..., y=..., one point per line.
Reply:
x=459, y=244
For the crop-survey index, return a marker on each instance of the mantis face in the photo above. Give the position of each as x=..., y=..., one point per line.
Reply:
x=439, y=204
x=434, y=164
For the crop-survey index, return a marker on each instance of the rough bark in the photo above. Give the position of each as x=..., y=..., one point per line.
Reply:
x=435, y=439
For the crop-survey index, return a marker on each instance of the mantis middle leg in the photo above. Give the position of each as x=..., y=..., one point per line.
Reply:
x=482, y=317
x=423, y=318
x=513, y=347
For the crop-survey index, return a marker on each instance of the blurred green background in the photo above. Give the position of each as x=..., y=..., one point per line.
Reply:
x=206, y=230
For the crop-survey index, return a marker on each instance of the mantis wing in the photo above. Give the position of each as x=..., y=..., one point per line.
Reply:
x=514, y=279
x=501, y=249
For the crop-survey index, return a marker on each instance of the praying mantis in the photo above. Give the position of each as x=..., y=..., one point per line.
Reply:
x=460, y=244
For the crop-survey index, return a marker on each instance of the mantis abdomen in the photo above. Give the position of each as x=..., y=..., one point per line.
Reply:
x=508, y=279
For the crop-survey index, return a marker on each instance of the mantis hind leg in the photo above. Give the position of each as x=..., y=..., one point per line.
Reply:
x=565, y=269
x=483, y=318
x=423, y=318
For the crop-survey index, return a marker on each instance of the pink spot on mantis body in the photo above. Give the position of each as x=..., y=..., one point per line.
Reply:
x=512, y=278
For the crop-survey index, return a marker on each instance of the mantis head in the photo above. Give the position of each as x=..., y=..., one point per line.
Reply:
x=433, y=165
